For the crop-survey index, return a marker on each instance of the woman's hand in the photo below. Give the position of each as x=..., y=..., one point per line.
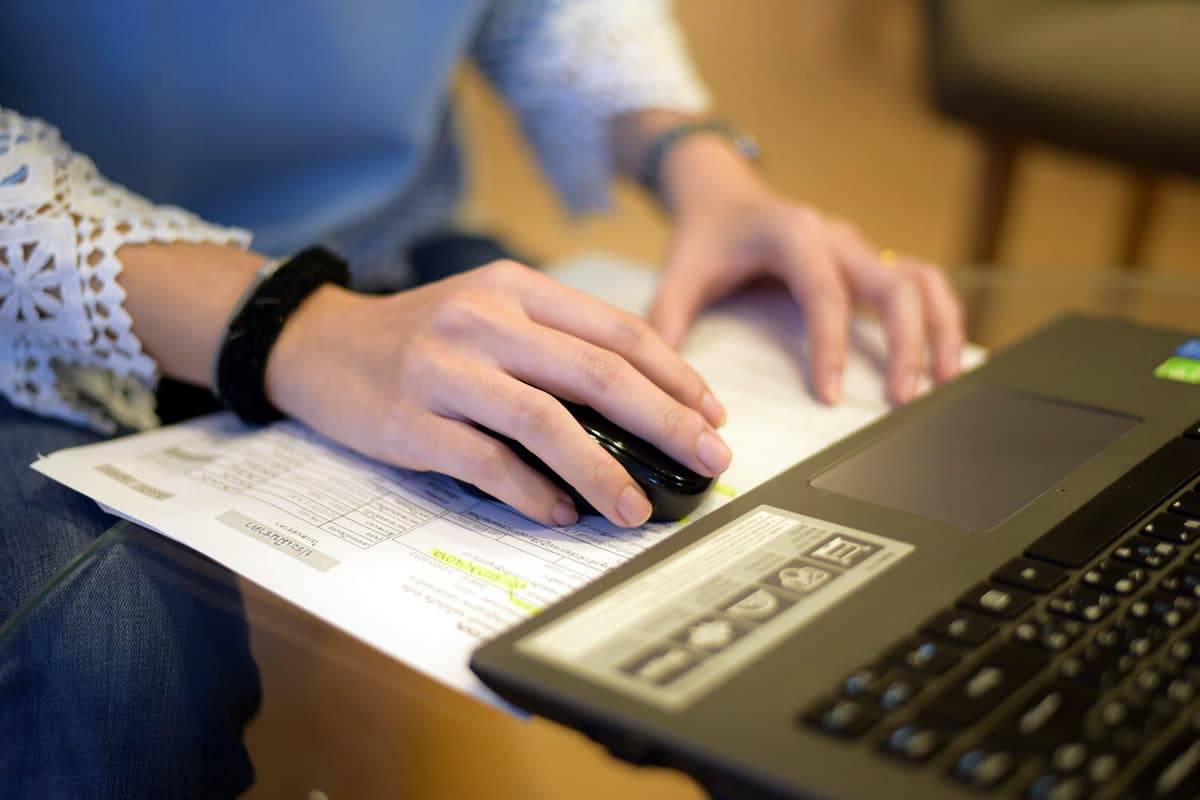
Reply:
x=729, y=229
x=405, y=379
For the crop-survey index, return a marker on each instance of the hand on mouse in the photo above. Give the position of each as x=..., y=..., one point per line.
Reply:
x=403, y=378
x=730, y=228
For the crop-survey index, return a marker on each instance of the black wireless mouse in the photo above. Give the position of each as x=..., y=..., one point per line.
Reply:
x=674, y=490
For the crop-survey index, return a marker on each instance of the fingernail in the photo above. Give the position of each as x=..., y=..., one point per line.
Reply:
x=564, y=513
x=713, y=453
x=633, y=507
x=908, y=388
x=712, y=410
x=833, y=387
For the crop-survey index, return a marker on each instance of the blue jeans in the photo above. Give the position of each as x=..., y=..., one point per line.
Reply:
x=134, y=679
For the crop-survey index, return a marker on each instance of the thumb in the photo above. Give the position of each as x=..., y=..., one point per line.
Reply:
x=680, y=297
x=675, y=306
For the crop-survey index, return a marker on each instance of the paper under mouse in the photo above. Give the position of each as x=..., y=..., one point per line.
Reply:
x=674, y=490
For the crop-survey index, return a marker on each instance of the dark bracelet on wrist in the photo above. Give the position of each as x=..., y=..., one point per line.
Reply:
x=650, y=175
x=239, y=371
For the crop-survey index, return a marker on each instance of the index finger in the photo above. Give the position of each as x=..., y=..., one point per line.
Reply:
x=571, y=311
x=813, y=281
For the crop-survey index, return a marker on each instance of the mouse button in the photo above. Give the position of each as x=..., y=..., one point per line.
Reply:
x=636, y=453
x=653, y=468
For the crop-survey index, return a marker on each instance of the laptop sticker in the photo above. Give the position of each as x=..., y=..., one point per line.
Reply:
x=1178, y=368
x=693, y=620
x=1189, y=349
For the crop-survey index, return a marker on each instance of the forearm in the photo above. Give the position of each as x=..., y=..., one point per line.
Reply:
x=180, y=297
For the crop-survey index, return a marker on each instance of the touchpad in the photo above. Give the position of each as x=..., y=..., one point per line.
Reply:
x=979, y=459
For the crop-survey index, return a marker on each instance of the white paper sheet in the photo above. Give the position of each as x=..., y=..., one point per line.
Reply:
x=409, y=562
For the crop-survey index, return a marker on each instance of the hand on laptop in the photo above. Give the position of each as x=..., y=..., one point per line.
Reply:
x=730, y=228
x=404, y=378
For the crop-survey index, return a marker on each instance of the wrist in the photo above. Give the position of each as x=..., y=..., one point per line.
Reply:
x=707, y=169
x=634, y=135
x=180, y=296
x=317, y=328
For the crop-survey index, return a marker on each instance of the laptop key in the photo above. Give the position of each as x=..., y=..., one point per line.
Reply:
x=924, y=654
x=1069, y=756
x=1174, y=773
x=1125, y=724
x=918, y=740
x=863, y=681
x=1052, y=716
x=1031, y=576
x=1183, y=652
x=1096, y=668
x=1048, y=632
x=1160, y=608
x=1114, y=577
x=1188, y=505
x=1055, y=786
x=1135, y=637
x=1103, y=767
x=1081, y=603
x=988, y=682
x=1179, y=690
x=1173, y=528
x=985, y=766
x=996, y=601
x=898, y=689
x=960, y=627
x=848, y=719
x=1184, y=581
x=1145, y=552
x=1148, y=681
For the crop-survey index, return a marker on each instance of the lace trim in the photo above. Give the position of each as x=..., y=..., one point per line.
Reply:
x=67, y=347
x=567, y=68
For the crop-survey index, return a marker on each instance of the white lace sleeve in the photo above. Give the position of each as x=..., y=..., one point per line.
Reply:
x=67, y=347
x=567, y=67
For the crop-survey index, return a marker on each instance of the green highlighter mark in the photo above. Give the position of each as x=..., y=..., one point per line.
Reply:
x=511, y=583
x=1178, y=368
x=719, y=488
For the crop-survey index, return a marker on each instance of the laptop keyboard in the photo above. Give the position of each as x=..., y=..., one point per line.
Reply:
x=1073, y=672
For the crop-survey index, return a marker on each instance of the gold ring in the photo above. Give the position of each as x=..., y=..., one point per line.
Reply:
x=888, y=257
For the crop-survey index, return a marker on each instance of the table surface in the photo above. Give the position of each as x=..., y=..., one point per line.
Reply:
x=371, y=727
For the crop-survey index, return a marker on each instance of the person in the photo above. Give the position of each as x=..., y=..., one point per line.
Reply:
x=245, y=133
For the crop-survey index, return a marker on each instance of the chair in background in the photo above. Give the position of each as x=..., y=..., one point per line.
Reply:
x=1116, y=79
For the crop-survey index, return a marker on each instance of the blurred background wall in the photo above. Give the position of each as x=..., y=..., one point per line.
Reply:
x=835, y=90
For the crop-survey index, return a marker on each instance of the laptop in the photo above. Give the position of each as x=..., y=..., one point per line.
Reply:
x=992, y=591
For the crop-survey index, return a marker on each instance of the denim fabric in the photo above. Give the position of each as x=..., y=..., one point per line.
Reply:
x=134, y=678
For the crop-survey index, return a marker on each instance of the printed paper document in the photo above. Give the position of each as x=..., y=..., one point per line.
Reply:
x=410, y=562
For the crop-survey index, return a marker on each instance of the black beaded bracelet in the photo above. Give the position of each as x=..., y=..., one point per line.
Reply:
x=239, y=372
